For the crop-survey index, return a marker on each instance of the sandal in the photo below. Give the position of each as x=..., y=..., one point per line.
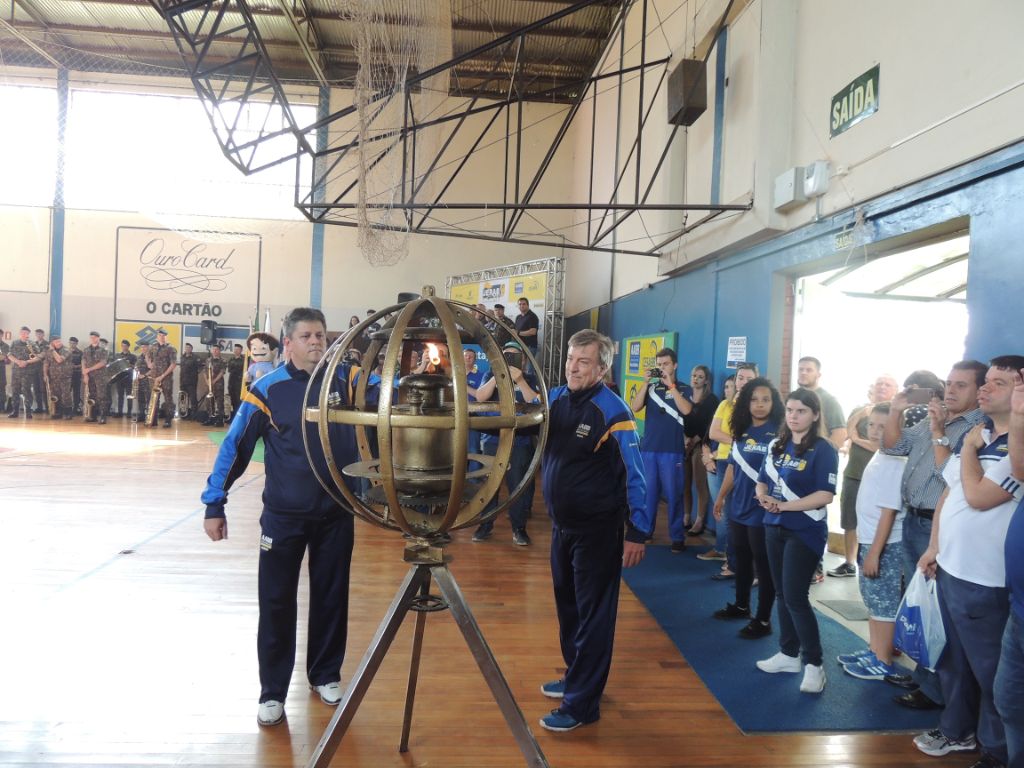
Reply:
x=694, y=531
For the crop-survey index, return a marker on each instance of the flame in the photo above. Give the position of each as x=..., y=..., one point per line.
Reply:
x=434, y=353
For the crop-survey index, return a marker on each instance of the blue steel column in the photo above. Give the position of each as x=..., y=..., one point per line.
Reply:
x=57, y=217
x=316, y=272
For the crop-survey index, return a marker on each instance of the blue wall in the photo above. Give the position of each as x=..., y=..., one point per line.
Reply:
x=733, y=296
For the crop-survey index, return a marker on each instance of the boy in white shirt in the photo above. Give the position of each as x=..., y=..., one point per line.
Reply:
x=879, y=535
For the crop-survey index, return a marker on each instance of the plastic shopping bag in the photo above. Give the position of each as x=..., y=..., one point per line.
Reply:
x=919, y=631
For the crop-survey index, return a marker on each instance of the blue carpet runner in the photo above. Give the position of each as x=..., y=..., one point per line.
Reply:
x=679, y=593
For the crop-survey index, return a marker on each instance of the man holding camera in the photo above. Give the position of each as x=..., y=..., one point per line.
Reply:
x=663, y=447
x=526, y=391
x=952, y=412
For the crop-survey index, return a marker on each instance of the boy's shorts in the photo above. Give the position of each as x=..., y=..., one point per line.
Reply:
x=882, y=594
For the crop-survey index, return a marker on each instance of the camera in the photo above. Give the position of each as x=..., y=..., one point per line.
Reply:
x=513, y=358
x=920, y=396
x=654, y=373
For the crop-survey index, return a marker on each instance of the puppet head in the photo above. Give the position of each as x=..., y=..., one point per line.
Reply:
x=262, y=347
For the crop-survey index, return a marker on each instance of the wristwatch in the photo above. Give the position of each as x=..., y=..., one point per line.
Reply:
x=943, y=441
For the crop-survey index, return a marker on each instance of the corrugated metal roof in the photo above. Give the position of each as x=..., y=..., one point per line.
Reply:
x=131, y=36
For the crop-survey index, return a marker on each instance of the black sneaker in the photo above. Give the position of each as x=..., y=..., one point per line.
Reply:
x=520, y=537
x=756, y=629
x=678, y=546
x=482, y=534
x=732, y=612
x=844, y=570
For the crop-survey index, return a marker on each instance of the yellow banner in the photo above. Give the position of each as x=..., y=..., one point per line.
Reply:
x=145, y=333
x=469, y=293
x=640, y=356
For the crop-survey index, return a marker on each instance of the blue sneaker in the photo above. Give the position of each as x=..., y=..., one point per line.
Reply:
x=869, y=668
x=855, y=657
x=559, y=721
x=554, y=689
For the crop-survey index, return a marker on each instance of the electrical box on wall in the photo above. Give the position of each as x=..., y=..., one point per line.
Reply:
x=789, y=189
x=816, y=178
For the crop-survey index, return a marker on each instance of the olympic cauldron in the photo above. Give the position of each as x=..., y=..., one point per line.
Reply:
x=418, y=472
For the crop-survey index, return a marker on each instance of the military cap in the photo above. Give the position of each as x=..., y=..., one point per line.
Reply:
x=125, y=341
x=26, y=328
x=94, y=333
x=513, y=345
x=499, y=306
x=161, y=331
x=104, y=341
x=74, y=339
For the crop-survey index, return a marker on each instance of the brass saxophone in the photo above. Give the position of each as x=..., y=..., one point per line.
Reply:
x=49, y=396
x=153, y=414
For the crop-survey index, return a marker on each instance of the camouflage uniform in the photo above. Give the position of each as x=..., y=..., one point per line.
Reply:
x=142, y=384
x=58, y=371
x=189, y=379
x=162, y=357
x=215, y=405
x=41, y=347
x=236, y=370
x=5, y=349
x=76, y=378
x=99, y=384
x=22, y=377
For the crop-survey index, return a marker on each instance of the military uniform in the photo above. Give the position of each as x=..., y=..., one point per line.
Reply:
x=236, y=370
x=76, y=378
x=215, y=404
x=22, y=377
x=58, y=373
x=141, y=384
x=41, y=348
x=124, y=386
x=99, y=382
x=188, y=368
x=161, y=358
x=5, y=349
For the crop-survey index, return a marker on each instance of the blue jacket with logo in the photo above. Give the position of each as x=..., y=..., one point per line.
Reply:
x=273, y=410
x=592, y=471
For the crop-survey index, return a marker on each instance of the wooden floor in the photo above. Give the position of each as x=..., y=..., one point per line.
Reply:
x=128, y=638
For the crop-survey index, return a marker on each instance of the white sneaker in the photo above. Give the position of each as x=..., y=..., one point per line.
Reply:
x=814, y=679
x=330, y=693
x=270, y=713
x=780, y=662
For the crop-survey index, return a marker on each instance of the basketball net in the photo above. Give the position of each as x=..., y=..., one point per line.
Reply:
x=394, y=39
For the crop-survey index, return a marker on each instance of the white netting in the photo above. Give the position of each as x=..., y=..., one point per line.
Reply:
x=394, y=40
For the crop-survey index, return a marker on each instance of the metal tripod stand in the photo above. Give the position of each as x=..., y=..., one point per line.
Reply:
x=414, y=595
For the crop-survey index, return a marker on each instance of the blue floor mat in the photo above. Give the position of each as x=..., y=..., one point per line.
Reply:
x=679, y=593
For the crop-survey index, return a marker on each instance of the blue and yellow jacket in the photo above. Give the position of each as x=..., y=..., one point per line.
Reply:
x=593, y=472
x=273, y=410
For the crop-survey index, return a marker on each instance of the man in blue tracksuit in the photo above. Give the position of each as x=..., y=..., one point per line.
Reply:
x=594, y=491
x=664, y=444
x=298, y=515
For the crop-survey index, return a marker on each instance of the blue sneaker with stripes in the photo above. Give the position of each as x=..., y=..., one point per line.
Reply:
x=855, y=657
x=869, y=667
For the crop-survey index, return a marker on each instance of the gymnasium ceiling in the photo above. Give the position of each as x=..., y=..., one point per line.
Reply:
x=312, y=41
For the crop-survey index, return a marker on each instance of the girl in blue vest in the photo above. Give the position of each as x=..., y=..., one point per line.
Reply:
x=755, y=422
x=795, y=485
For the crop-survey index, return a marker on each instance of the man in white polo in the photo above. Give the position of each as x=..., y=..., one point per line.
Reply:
x=966, y=550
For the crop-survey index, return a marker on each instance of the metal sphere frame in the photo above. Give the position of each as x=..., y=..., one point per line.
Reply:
x=457, y=321
x=405, y=511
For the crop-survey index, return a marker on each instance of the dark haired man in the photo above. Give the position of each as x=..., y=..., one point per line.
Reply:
x=95, y=379
x=236, y=372
x=808, y=376
x=298, y=515
x=966, y=556
x=663, y=446
x=952, y=411
x=188, y=378
x=528, y=325
x=124, y=385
